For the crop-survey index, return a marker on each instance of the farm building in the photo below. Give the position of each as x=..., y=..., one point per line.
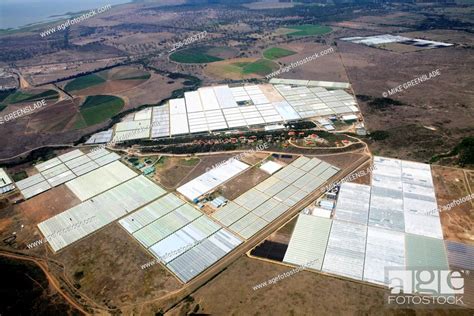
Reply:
x=382, y=225
x=175, y=232
x=6, y=183
x=388, y=39
x=222, y=107
x=253, y=210
x=210, y=180
x=64, y=168
x=270, y=167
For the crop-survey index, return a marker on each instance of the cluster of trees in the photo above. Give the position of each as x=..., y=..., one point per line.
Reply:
x=379, y=103
x=464, y=152
x=437, y=21
x=220, y=142
x=24, y=47
x=37, y=155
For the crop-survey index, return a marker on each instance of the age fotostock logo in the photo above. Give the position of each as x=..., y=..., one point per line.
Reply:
x=419, y=286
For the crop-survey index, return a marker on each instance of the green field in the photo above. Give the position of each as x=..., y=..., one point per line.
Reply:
x=5, y=94
x=276, y=52
x=126, y=73
x=196, y=55
x=17, y=97
x=97, y=109
x=20, y=96
x=19, y=176
x=142, y=77
x=190, y=161
x=84, y=82
x=260, y=67
x=308, y=29
x=48, y=95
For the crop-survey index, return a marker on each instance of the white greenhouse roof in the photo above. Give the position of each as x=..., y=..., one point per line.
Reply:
x=253, y=210
x=103, y=209
x=271, y=167
x=100, y=180
x=4, y=178
x=64, y=168
x=212, y=179
x=346, y=249
x=353, y=203
x=308, y=241
x=221, y=107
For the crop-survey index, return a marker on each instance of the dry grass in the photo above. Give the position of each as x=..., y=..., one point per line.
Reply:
x=452, y=184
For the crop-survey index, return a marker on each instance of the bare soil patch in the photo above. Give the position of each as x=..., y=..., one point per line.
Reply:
x=446, y=102
x=48, y=204
x=63, y=112
x=206, y=162
x=171, y=172
x=254, y=158
x=231, y=293
x=326, y=68
x=106, y=266
x=242, y=183
x=452, y=184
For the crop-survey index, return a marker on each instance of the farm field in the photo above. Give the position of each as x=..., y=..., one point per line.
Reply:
x=123, y=77
x=84, y=82
x=260, y=67
x=306, y=30
x=202, y=55
x=63, y=66
x=64, y=113
x=170, y=170
x=97, y=109
x=274, y=246
x=126, y=73
x=400, y=48
x=242, y=183
x=32, y=212
x=328, y=67
x=23, y=96
x=277, y=52
x=62, y=122
x=241, y=68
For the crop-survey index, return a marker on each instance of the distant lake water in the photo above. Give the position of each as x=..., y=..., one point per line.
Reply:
x=18, y=13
